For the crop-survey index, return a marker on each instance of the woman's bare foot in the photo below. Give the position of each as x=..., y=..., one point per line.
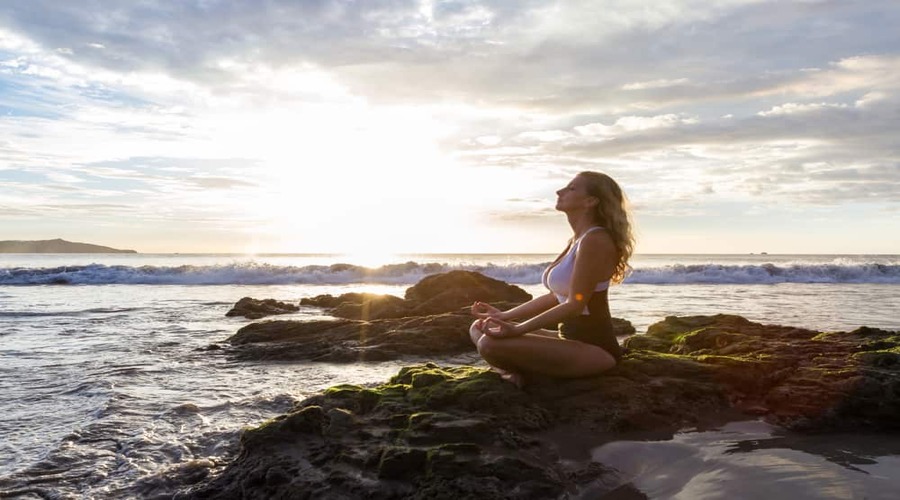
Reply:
x=512, y=377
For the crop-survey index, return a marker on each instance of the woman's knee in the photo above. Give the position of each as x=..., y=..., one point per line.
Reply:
x=475, y=332
x=490, y=347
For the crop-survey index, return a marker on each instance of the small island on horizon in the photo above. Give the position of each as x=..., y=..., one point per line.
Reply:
x=55, y=246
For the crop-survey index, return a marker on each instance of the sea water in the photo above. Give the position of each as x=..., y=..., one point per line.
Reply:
x=106, y=392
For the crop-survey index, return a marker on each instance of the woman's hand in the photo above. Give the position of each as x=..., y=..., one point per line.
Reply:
x=498, y=328
x=484, y=310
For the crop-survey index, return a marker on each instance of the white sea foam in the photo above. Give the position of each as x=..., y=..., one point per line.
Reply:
x=252, y=273
x=768, y=274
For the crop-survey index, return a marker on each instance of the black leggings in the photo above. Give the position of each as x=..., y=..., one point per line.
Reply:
x=591, y=330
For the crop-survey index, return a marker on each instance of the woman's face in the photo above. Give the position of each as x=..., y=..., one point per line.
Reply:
x=574, y=196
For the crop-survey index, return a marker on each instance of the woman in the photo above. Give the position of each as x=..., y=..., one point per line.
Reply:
x=578, y=282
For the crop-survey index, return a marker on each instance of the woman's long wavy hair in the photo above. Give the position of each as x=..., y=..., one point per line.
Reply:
x=613, y=213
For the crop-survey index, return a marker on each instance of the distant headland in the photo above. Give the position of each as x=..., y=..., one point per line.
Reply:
x=55, y=246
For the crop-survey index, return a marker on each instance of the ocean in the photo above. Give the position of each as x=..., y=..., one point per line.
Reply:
x=106, y=392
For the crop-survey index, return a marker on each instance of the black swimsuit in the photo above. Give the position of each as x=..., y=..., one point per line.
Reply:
x=595, y=328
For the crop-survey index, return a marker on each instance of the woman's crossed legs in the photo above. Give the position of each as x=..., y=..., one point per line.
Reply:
x=542, y=352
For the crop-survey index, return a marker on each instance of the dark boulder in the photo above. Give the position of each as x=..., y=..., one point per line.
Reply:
x=353, y=340
x=435, y=294
x=251, y=308
x=363, y=306
x=459, y=289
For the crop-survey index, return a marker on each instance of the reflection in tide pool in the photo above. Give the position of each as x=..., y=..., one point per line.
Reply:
x=752, y=460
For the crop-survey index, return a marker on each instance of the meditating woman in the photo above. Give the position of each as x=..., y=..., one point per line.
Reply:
x=517, y=342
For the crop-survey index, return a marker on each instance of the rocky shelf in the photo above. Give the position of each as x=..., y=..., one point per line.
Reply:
x=456, y=432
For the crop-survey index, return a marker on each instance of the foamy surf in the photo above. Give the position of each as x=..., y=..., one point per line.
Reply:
x=409, y=273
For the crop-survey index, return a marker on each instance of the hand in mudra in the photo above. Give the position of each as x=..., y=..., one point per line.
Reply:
x=484, y=310
x=499, y=328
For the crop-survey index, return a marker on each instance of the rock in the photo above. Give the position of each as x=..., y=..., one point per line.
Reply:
x=459, y=289
x=435, y=294
x=342, y=340
x=797, y=377
x=461, y=432
x=623, y=327
x=353, y=340
x=479, y=445
x=254, y=309
x=363, y=306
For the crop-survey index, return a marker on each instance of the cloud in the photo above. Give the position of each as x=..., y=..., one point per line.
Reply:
x=655, y=84
x=628, y=124
x=794, y=108
x=165, y=106
x=219, y=182
x=12, y=212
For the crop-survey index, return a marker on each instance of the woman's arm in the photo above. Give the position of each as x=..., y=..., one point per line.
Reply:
x=534, y=306
x=595, y=261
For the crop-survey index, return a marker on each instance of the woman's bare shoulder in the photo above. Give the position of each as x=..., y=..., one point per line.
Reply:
x=598, y=240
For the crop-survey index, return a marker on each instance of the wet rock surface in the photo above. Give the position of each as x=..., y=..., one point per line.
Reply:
x=461, y=432
x=251, y=308
x=795, y=377
x=430, y=432
x=353, y=340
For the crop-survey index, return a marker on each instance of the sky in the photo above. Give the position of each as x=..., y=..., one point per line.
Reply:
x=367, y=127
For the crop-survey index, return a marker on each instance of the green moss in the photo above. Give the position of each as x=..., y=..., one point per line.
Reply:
x=681, y=338
x=888, y=358
x=368, y=399
x=343, y=390
x=391, y=396
x=461, y=387
x=866, y=336
x=309, y=419
x=662, y=338
x=266, y=426
x=391, y=390
x=353, y=397
x=640, y=365
x=887, y=344
x=429, y=377
x=430, y=373
x=727, y=360
x=826, y=336
x=306, y=420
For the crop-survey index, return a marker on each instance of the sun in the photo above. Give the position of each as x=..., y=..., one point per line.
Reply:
x=371, y=260
x=362, y=180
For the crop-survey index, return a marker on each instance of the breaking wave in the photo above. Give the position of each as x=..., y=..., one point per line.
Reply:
x=412, y=272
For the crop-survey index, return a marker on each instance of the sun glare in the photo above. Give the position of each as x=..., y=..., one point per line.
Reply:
x=358, y=180
x=373, y=259
x=350, y=177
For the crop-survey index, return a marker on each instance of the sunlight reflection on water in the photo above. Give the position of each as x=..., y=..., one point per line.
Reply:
x=754, y=460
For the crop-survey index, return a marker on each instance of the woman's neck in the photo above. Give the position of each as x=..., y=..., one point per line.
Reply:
x=580, y=222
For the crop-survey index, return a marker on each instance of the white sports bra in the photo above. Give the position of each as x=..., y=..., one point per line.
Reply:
x=558, y=277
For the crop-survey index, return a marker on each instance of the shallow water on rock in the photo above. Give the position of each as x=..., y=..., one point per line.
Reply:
x=755, y=460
